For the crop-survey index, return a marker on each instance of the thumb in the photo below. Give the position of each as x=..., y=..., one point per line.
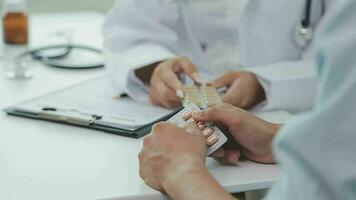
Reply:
x=225, y=80
x=214, y=115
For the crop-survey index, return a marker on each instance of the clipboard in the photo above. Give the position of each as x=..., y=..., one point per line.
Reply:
x=94, y=104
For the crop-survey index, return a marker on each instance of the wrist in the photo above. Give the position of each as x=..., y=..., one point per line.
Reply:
x=145, y=73
x=178, y=174
x=196, y=183
x=181, y=184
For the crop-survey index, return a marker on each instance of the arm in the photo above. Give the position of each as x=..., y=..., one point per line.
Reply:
x=177, y=167
x=137, y=34
x=280, y=79
x=196, y=184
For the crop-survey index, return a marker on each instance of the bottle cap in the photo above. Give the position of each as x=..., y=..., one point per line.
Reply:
x=14, y=6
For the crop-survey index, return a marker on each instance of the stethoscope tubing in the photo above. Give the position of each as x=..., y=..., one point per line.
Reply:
x=48, y=60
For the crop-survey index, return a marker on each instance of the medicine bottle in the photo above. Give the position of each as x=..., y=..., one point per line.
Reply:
x=15, y=23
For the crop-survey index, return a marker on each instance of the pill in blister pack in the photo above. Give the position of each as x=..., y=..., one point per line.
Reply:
x=204, y=96
x=179, y=121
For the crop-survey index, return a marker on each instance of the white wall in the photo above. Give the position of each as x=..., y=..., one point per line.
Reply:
x=68, y=5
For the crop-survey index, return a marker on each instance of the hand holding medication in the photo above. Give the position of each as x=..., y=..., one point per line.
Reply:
x=166, y=88
x=254, y=135
x=229, y=156
x=244, y=90
x=214, y=137
x=169, y=152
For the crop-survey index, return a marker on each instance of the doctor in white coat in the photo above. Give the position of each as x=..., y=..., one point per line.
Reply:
x=250, y=47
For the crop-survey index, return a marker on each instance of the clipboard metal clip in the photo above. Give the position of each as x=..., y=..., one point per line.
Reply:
x=68, y=116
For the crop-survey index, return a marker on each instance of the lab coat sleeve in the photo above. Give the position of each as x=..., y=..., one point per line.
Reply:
x=136, y=34
x=290, y=85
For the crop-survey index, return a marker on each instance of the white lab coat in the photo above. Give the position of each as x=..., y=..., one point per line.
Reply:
x=316, y=150
x=261, y=40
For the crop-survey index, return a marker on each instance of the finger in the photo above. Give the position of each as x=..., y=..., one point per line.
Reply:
x=154, y=186
x=225, y=80
x=189, y=68
x=154, y=100
x=140, y=159
x=218, y=153
x=146, y=141
x=166, y=96
x=232, y=93
x=208, y=132
x=232, y=157
x=213, y=139
x=201, y=126
x=214, y=115
x=187, y=115
x=154, y=96
x=196, y=78
x=172, y=81
x=159, y=94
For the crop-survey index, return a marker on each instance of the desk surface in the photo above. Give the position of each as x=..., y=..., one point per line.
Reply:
x=43, y=160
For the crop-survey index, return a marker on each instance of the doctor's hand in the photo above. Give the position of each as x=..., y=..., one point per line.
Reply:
x=244, y=90
x=170, y=153
x=253, y=135
x=165, y=85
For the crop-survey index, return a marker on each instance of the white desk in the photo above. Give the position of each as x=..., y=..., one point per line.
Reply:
x=43, y=160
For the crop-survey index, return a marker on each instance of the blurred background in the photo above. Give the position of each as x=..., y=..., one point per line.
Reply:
x=56, y=22
x=68, y=5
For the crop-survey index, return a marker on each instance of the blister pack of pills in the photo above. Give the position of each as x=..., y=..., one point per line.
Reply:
x=202, y=95
x=179, y=121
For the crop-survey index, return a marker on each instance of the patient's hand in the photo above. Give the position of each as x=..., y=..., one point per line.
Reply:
x=170, y=152
x=254, y=135
x=172, y=161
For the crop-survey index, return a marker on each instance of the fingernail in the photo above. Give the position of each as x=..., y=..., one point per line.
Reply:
x=212, y=140
x=201, y=123
x=180, y=94
x=187, y=115
x=207, y=132
x=233, y=159
x=201, y=126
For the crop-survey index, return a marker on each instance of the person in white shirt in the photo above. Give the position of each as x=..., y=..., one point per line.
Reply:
x=249, y=47
x=315, y=150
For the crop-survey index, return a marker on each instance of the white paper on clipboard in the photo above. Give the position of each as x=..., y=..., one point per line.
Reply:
x=98, y=97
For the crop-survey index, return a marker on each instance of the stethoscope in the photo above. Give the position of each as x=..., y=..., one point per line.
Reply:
x=62, y=51
x=304, y=31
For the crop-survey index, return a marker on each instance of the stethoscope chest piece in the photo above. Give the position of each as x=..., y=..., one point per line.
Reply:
x=303, y=35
